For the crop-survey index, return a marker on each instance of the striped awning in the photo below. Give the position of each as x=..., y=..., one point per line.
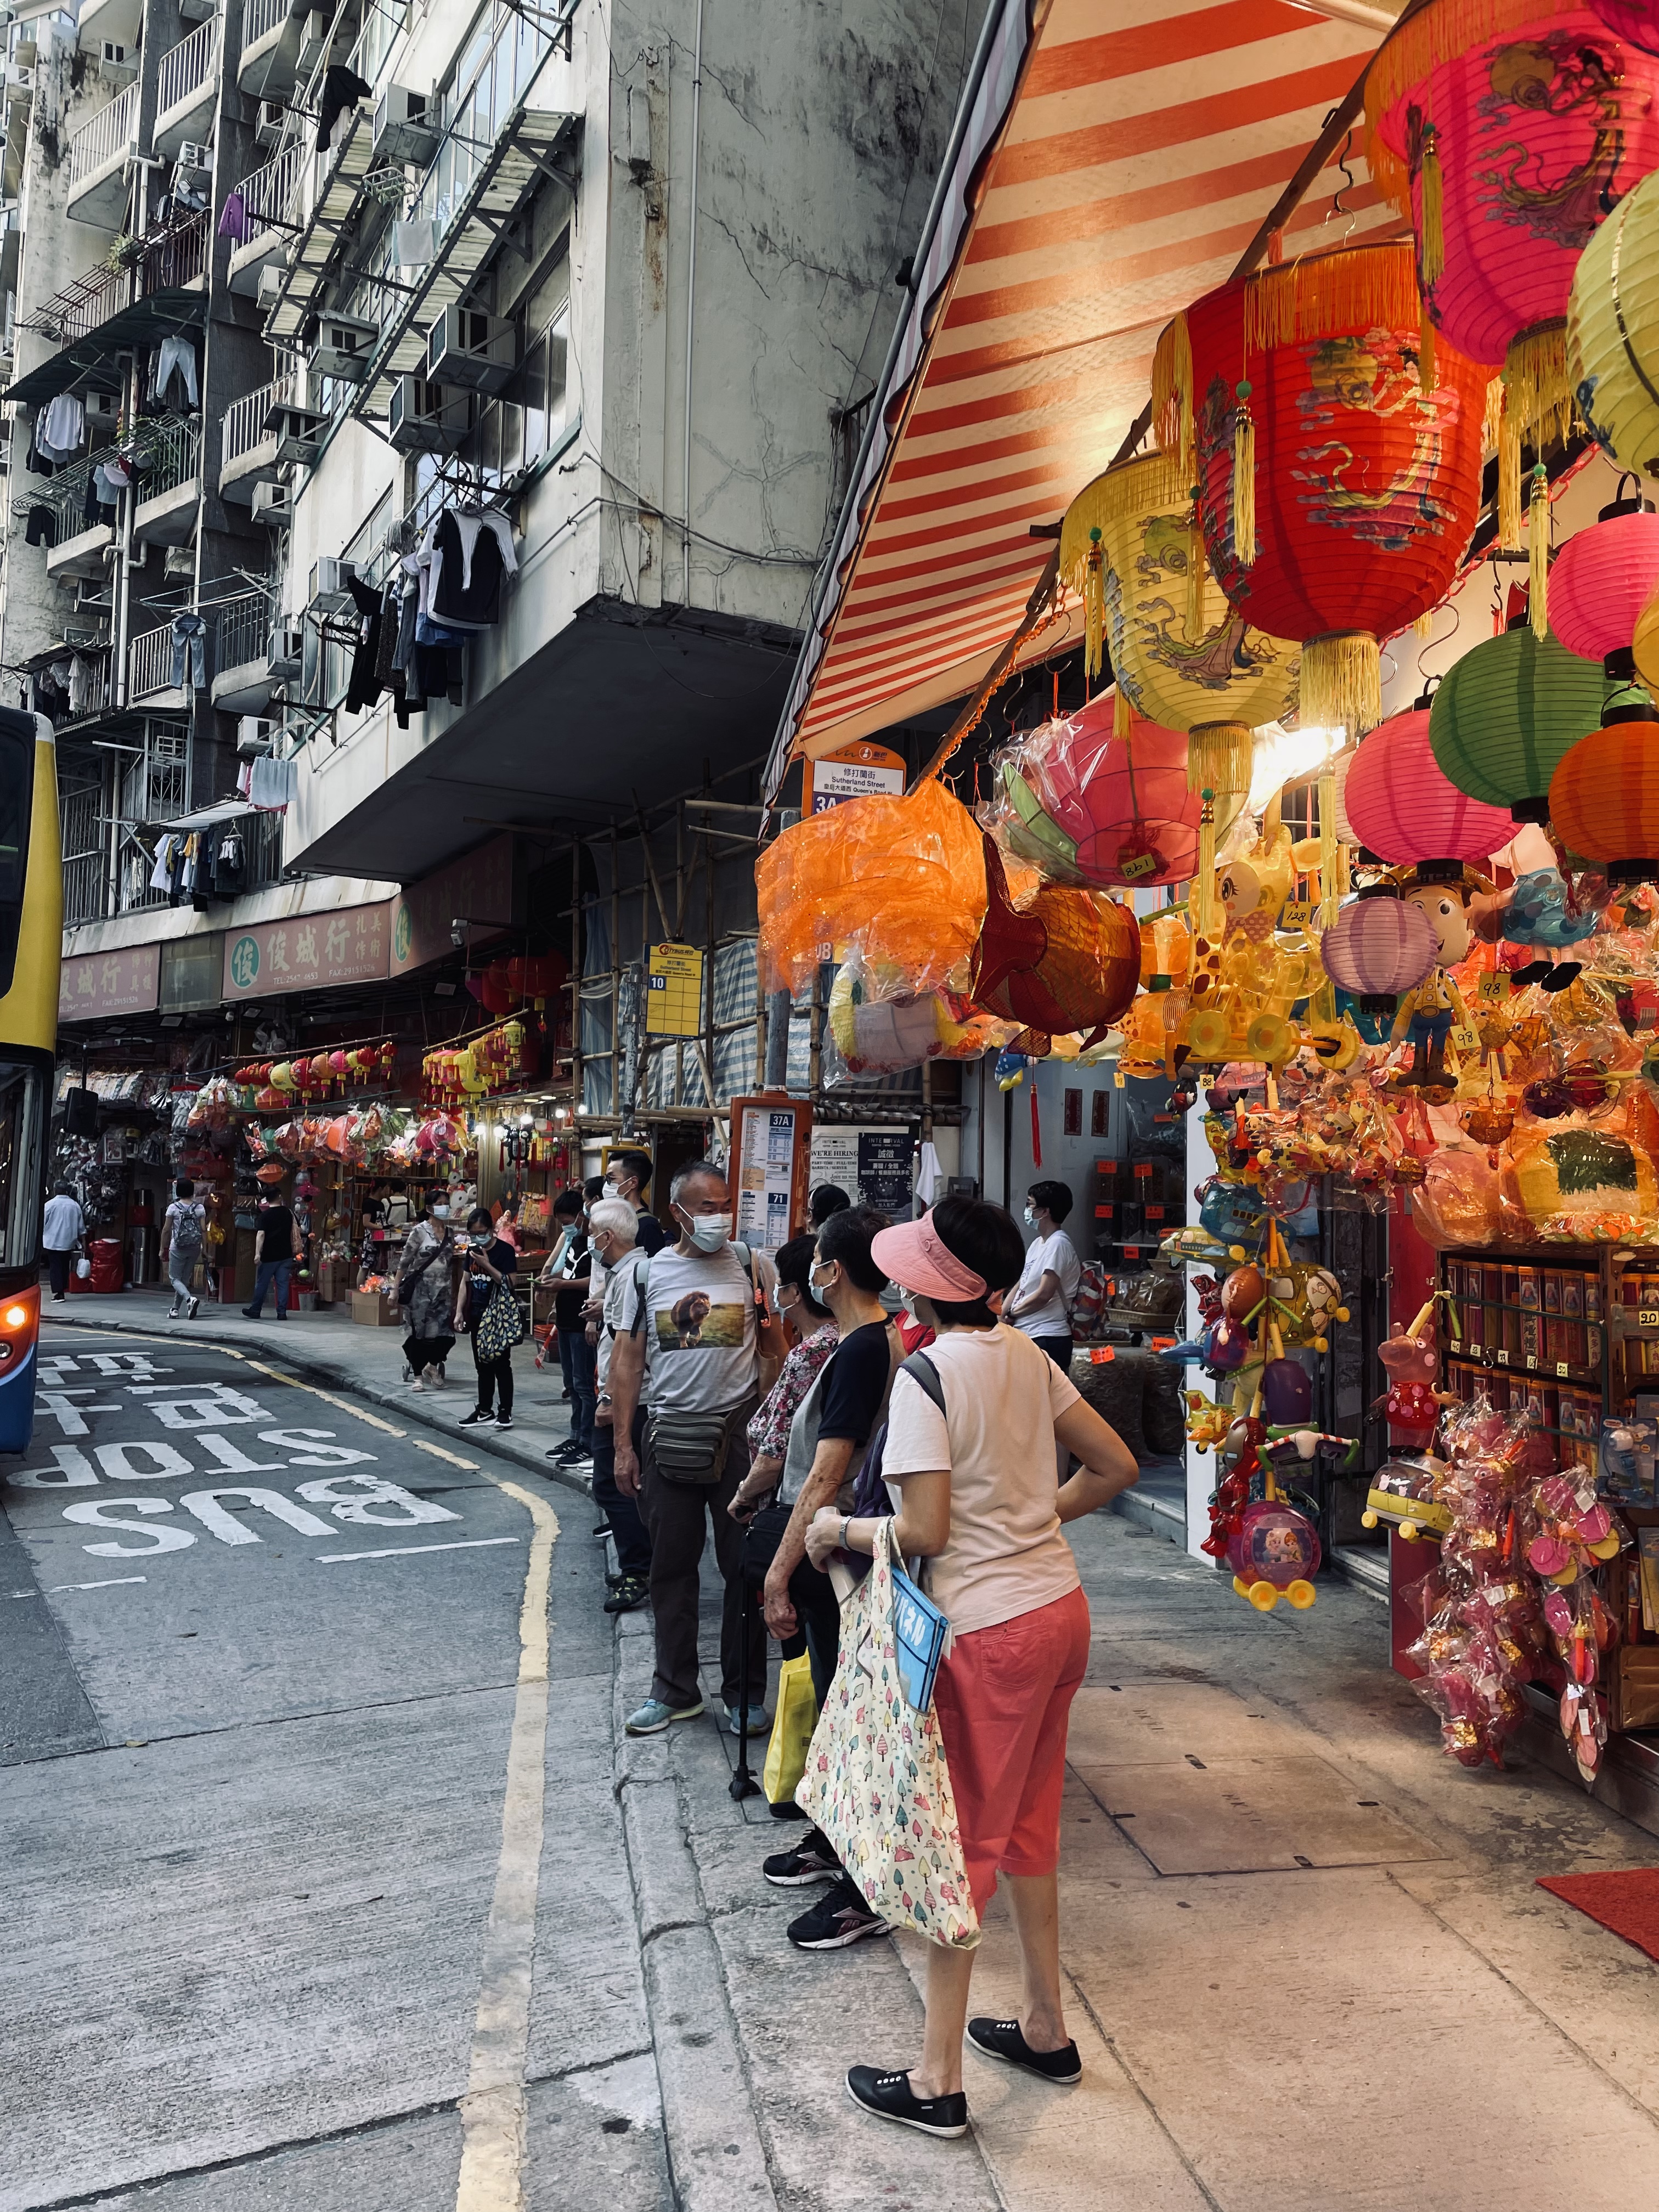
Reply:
x=1108, y=166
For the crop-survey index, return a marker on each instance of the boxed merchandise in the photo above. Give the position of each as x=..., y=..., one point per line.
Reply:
x=377, y=1308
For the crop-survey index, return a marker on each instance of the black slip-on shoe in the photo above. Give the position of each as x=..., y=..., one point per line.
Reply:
x=890, y=2097
x=1004, y=2039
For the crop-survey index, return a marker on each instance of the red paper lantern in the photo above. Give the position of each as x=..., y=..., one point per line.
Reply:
x=1310, y=424
x=1635, y=20
x=1125, y=802
x=1600, y=583
x=1379, y=946
x=1508, y=130
x=1401, y=806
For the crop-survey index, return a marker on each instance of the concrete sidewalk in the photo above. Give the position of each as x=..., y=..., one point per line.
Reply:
x=331, y=1348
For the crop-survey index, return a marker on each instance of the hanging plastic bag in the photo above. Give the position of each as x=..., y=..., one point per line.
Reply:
x=795, y=1715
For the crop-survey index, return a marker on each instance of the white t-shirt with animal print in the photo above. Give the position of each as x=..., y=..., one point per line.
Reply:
x=697, y=1314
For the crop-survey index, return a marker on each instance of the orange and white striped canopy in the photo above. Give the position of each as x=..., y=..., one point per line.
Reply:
x=1112, y=161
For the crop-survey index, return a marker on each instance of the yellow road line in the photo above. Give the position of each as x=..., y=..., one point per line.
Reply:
x=454, y=1458
x=493, y=2108
x=293, y=1383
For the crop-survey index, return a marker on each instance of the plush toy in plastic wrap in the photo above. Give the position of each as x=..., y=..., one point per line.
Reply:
x=879, y=1025
x=1629, y=1449
x=1585, y=1184
x=1411, y=1358
x=1574, y=1534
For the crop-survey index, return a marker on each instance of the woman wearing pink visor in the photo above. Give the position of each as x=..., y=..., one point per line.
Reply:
x=975, y=1493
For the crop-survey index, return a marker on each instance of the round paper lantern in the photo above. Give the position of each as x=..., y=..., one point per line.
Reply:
x=1635, y=20
x=1600, y=582
x=338, y=1066
x=1399, y=805
x=1644, y=646
x=1604, y=798
x=1337, y=494
x=1125, y=802
x=1379, y=946
x=1613, y=331
x=282, y=1076
x=1507, y=713
x=1509, y=130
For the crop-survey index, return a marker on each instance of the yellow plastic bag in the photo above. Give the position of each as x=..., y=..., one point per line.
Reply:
x=795, y=1717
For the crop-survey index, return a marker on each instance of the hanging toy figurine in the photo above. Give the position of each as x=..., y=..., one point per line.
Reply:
x=1428, y=1014
x=1412, y=1359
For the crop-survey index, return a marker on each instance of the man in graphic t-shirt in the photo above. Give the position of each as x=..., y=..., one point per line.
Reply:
x=1041, y=1304
x=697, y=1319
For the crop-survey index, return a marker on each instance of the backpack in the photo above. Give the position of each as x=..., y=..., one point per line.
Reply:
x=870, y=1498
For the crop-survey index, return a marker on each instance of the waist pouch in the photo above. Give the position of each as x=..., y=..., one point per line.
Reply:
x=692, y=1446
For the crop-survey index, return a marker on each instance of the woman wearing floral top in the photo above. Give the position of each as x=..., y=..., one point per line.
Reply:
x=769, y=1432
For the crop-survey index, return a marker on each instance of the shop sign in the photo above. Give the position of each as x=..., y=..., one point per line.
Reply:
x=874, y=1166
x=766, y=1173
x=126, y=980
x=477, y=889
x=673, y=994
x=307, y=953
x=192, y=970
x=860, y=771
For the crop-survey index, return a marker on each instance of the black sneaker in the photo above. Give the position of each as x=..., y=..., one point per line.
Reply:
x=890, y=2097
x=195, y=1307
x=840, y=1917
x=569, y=1450
x=811, y=1861
x=1006, y=2039
x=503, y=1420
x=629, y=1594
x=615, y=1582
x=603, y=1528
x=475, y=1419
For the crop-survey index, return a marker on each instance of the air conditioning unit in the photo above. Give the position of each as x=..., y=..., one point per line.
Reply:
x=273, y=114
x=197, y=11
x=423, y=420
x=297, y=431
x=254, y=737
x=329, y=581
x=273, y=505
x=466, y=347
x=271, y=284
x=312, y=38
x=83, y=638
x=285, y=651
x=118, y=64
x=404, y=127
x=342, y=346
x=102, y=407
x=191, y=159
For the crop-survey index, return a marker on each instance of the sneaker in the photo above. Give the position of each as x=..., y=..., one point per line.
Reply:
x=173, y=1312
x=840, y=1917
x=503, y=1420
x=602, y=1528
x=477, y=1418
x=252, y=1312
x=654, y=1716
x=890, y=2097
x=760, y=1721
x=438, y=1375
x=1006, y=2039
x=569, y=1450
x=192, y=1310
x=812, y=1860
x=629, y=1594
x=615, y=1582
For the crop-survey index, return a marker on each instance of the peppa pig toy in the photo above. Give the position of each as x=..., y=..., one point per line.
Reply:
x=1412, y=1359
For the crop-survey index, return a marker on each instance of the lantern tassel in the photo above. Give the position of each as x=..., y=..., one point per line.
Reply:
x=1204, y=886
x=1094, y=607
x=1537, y=403
x=1172, y=394
x=1243, y=480
x=1433, y=246
x=1194, y=573
x=1122, y=712
x=1424, y=625
x=1509, y=477
x=1342, y=683
x=1538, y=552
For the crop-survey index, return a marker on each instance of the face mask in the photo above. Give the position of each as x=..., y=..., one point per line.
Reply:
x=908, y=1301
x=710, y=1232
x=612, y=1191
x=1030, y=1217
x=812, y=1273
x=440, y=1213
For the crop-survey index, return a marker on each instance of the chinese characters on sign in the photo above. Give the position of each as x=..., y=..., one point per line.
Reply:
x=127, y=981
x=860, y=771
x=673, y=999
x=309, y=951
x=766, y=1176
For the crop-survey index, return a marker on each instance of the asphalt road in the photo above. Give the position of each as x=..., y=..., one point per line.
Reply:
x=316, y=1892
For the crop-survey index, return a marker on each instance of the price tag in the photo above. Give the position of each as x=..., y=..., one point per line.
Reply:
x=1100, y=1353
x=1495, y=987
x=1465, y=1039
x=1648, y=1317
x=1532, y=1363
x=1117, y=1079
x=1561, y=1367
x=1295, y=914
x=1502, y=1358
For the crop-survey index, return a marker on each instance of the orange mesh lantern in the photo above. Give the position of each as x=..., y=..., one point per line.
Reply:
x=1337, y=494
x=1508, y=130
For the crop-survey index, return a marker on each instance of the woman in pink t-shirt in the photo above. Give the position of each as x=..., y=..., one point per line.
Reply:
x=982, y=1501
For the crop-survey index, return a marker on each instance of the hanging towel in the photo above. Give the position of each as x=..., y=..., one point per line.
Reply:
x=273, y=785
x=233, y=216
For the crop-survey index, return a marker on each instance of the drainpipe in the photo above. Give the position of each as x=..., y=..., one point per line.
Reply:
x=690, y=304
x=123, y=553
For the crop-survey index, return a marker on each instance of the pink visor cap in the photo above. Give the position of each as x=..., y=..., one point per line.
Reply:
x=912, y=1255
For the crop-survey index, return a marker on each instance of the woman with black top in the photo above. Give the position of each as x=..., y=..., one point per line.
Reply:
x=570, y=1270
x=488, y=1262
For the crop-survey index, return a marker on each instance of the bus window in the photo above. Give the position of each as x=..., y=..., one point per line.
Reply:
x=22, y=1126
x=16, y=813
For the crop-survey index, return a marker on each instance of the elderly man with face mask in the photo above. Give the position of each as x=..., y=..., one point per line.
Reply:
x=697, y=1320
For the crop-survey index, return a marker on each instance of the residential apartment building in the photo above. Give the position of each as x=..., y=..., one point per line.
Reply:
x=451, y=403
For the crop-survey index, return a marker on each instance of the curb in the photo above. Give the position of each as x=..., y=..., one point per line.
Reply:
x=314, y=1369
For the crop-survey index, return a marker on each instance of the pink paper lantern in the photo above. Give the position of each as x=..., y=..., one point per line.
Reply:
x=1402, y=806
x=1601, y=579
x=1124, y=802
x=1635, y=20
x=1379, y=946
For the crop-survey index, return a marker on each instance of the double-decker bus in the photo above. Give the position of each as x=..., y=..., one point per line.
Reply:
x=31, y=942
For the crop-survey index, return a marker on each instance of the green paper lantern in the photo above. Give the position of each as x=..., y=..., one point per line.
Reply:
x=1506, y=714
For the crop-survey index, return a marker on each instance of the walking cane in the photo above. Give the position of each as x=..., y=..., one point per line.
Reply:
x=743, y=1783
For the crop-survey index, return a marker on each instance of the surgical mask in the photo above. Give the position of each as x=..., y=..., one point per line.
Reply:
x=709, y=1231
x=908, y=1301
x=440, y=1213
x=812, y=1273
x=1030, y=1217
x=612, y=1190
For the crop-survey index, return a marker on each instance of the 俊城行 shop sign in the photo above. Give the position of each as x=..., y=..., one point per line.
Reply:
x=307, y=953
x=126, y=980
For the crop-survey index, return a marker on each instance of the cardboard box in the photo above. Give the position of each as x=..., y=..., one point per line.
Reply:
x=375, y=1309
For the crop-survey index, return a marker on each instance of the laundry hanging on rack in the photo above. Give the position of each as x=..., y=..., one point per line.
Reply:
x=229, y=869
x=188, y=631
x=273, y=784
x=175, y=356
x=41, y=528
x=342, y=89
x=51, y=690
x=464, y=554
x=233, y=216
x=61, y=430
x=85, y=689
x=362, y=687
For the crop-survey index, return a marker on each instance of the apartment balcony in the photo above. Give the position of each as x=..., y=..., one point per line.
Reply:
x=248, y=451
x=187, y=86
x=167, y=513
x=99, y=153
x=150, y=671
x=271, y=39
x=159, y=290
x=116, y=20
x=242, y=655
x=268, y=196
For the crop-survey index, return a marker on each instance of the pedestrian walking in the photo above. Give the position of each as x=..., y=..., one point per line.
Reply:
x=183, y=1230
x=612, y=1230
x=275, y=1248
x=697, y=1320
x=488, y=1312
x=426, y=1293
x=568, y=1269
x=977, y=1497
x=1040, y=1307
x=62, y=1226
